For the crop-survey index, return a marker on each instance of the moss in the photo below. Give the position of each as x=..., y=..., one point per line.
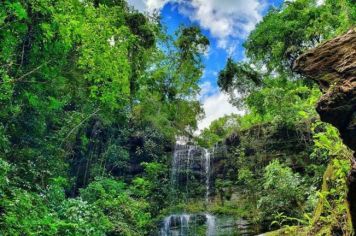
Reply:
x=332, y=216
x=290, y=231
x=320, y=206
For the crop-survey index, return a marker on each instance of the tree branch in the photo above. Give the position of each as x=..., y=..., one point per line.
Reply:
x=77, y=126
x=27, y=74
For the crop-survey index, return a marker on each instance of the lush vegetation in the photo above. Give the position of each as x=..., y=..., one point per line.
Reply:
x=94, y=93
x=285, y=156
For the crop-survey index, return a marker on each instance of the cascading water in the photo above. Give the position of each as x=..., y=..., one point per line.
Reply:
x=185, y=160
x=207, y=174
x=185, y=224
x=176, y=225
x=210, y=222
x=191, y=171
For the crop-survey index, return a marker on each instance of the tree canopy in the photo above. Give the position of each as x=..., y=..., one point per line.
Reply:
x=94, y=95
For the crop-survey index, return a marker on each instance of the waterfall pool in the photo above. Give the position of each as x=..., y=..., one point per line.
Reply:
x=204, y=224
x=192, y=176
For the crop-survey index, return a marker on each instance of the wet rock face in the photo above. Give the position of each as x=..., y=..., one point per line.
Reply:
x=333, y=66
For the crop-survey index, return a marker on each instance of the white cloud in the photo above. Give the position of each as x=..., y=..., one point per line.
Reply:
x=206, y=89
x=147, y=5
x=227, y=20
x=155, y=4
x=208, y=73
x=138, y=4
x=216, y=105
x=226, y=17
x=317, y=2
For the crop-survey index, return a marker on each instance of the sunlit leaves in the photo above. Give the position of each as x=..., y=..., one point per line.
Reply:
x=168, y=91
x=281, y=101
x=285, y=33
x=104, y=64
x=16, y=9
x=86, y=92
x=218, y=130
x=283, y=188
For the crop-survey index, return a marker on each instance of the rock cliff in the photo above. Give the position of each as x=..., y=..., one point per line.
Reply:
x=333, y=66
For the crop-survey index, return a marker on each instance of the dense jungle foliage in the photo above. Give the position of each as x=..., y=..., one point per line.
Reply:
x=288, y=167
x=94, y=93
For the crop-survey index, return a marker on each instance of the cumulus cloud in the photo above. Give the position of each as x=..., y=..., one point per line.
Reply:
x=225, y=19
x=147, y=5
x=155, y=4
x=229, y=21
x=138, y=4
x=206, y=89
x=216, y=105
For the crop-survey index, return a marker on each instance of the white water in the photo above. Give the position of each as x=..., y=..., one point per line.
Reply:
x=184, y=157
x=181, y=162
x=176, y=225
x=193, y=163
x=182, y=225
x=210, y=221
x=207, y=174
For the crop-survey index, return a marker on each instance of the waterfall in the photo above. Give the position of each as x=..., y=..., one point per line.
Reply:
x=184, y=162
x=185, y=224
x=189, y=163
x=174, y=166
x=166, y=226
x=193, y=163
x=176, y=225
x=210, y=222
x=207, y=174
x=184, y=228
x=191, y=148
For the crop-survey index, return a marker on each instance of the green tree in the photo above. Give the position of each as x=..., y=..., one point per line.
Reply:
x=239, y=80
x=88, y=90
x=218, y=130
x=285, y=33
x=284, y=191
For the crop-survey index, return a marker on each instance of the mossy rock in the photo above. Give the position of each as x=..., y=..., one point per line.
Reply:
x=290, y=231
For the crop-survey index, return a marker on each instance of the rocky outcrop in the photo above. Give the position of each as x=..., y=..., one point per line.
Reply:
x=333, y=66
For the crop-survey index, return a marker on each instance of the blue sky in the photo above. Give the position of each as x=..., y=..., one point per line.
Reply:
x=226, y=23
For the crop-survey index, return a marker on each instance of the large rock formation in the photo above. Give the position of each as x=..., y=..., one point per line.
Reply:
x=333, y=66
